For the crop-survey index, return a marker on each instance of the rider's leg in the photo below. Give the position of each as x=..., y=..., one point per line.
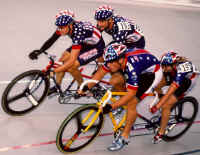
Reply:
x=59, y=75
x=118, y=82
x=131, y=117
x=75, y=72
x=182, y=89
x=123, y=139
x=166, y=113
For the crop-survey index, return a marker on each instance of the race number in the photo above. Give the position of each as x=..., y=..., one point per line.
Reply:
x=138, y=29
x=123, y=26
x=185, y=67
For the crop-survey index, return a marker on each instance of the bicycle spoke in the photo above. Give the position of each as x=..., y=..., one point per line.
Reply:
x=82, y=126
x=71, y=140
x=184, y=119
x=79, y=124
x=16, y=97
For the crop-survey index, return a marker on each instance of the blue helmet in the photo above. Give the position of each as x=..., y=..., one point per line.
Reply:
x=103, y=12
x=64, y=18
x=114, y=52
x=169, y=58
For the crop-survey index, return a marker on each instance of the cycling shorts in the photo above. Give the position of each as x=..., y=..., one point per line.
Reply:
x=146, y=80
x=90, y=53
x=184, y=86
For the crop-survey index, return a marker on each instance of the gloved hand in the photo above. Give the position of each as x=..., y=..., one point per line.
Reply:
x=107, y=108
x=34, y=54
x=153, y=109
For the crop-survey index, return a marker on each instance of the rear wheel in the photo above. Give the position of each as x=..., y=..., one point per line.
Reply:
x=70, y=137
x=24, y=93
x=181, y=118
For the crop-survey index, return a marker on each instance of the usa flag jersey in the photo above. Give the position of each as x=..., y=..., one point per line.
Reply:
x=137, y=62
x=84, y=33
x=124, y=31
x=184, y=70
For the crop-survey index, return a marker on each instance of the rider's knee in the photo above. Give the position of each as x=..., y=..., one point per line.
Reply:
x=167, y=106
x=74, y=67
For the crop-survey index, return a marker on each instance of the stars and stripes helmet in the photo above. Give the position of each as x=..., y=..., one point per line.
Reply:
x=169, y=58
x=114, y=52
x=64, y=18
x=103, y=12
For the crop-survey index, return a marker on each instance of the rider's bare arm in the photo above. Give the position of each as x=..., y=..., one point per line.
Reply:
x=170, y=91
x=98, y=76
x=159, y=87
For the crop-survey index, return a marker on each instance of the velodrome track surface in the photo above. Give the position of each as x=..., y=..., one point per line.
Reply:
x=26, y=24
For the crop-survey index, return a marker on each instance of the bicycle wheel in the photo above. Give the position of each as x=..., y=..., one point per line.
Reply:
x=25, y=92
x=181, y=118
x=70, y=137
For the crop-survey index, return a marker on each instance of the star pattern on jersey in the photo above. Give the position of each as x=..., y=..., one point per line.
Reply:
x=82, y=30
x=120, y=36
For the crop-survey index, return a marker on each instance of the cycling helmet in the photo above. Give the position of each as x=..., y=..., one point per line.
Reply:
x=169, y=58
x=114, y=52
x=103, y=12
x=64, y=18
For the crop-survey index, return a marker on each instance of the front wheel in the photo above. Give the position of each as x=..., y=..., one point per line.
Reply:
x=25, y=92
x=71, y=136
x=181, y=118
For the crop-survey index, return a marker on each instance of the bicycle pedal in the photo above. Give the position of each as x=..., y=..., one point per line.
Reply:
x=169, y=129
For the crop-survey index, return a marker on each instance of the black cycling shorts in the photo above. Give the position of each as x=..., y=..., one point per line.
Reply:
x=139, y=44
x=146, y=80
x=184, y=86
x=90, y=53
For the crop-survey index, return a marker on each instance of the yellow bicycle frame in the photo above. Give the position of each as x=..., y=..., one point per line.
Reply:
x=114, y=122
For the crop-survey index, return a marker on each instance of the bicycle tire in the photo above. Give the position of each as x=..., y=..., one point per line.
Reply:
x=183, y=121
x=14, y=93
x=68, y=126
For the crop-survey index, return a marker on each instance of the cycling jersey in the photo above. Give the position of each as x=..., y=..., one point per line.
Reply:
x=126, y=32
x=139, y=62
x=85, y=37
x=181, y=71
x=83, y=33
x=183, y=76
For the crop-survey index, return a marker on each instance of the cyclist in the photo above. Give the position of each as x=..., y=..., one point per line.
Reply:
x=142, y=72
x=123, y=31
x=180, y=75
x=87, y=45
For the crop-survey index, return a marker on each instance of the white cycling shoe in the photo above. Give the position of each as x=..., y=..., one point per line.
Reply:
x=118, y=144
